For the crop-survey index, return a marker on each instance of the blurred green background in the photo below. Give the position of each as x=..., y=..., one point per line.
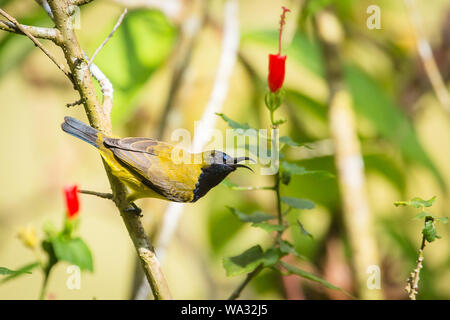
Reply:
x=403, y=129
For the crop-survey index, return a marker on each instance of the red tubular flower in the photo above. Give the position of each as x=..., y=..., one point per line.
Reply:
x=72, y=201
x=277, y=68
x=277, y=62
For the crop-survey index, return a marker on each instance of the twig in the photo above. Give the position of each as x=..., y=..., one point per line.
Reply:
x=36, y=42
x=412, y=286
x=118, y=23
x=426, y=55
x=236, y=293
x=73, y=104
x=103, y=195
x=38, y=32
x=46, y=7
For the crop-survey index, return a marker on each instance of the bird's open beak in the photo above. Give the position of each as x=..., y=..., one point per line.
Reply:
x=240, y=159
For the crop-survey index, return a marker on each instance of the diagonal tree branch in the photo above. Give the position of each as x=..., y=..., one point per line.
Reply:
x=36, y=42
x=37, y=32
x=62, y=11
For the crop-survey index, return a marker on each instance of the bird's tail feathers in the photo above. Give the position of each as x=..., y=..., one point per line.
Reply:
x=80, y=130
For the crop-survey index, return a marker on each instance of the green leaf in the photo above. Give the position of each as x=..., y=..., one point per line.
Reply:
x=298, y=203
x=303, y=230
x=234, y=124
x=255, y=217
x=294, y=169
x=416, y=202
x=268, y=227
x=288, y=248
x=444, y=220
x=308, y=275
x=424, y=214
x=74, y=251
x=246, y=262
x=429, y=231
x=6, y=271
x=12, y=274
x=272, y=256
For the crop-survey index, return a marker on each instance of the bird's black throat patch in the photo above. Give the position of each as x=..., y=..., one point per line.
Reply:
x=209, y=178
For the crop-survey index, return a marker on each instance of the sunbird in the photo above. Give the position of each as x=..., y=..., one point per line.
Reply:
x=147, y=167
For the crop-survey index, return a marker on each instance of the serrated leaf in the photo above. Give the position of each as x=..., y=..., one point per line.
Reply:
x=12, y=274
x=423, y=214
x=246, y=262
x=303, y=230
x=74, y=251
x=298, y=203
x=429, y=231
x=308, y=275
x=268, y=227
x=255, y=217
x=416, y=202
x=294, y=169
x=234, y=124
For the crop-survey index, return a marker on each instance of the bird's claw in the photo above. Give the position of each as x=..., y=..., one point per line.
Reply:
x=134, y=209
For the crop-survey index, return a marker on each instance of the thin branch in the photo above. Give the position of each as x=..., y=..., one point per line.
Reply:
x=76, y=103
x=37, y=32
x=426, y=55
x=412, y=286
x=118, y=23
x=46, y=7
x=36, y=42
x=236, y=293
x=103, y=195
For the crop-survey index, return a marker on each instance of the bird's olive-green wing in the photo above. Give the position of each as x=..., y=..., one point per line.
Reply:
x=153, y=161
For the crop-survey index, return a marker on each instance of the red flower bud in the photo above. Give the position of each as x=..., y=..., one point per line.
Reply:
x=277, y=67
x=277, y=62
x=72, y=201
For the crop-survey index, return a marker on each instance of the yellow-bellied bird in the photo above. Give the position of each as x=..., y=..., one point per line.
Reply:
x=147, y=167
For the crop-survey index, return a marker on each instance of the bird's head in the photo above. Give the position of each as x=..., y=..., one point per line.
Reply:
x=215, y=167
